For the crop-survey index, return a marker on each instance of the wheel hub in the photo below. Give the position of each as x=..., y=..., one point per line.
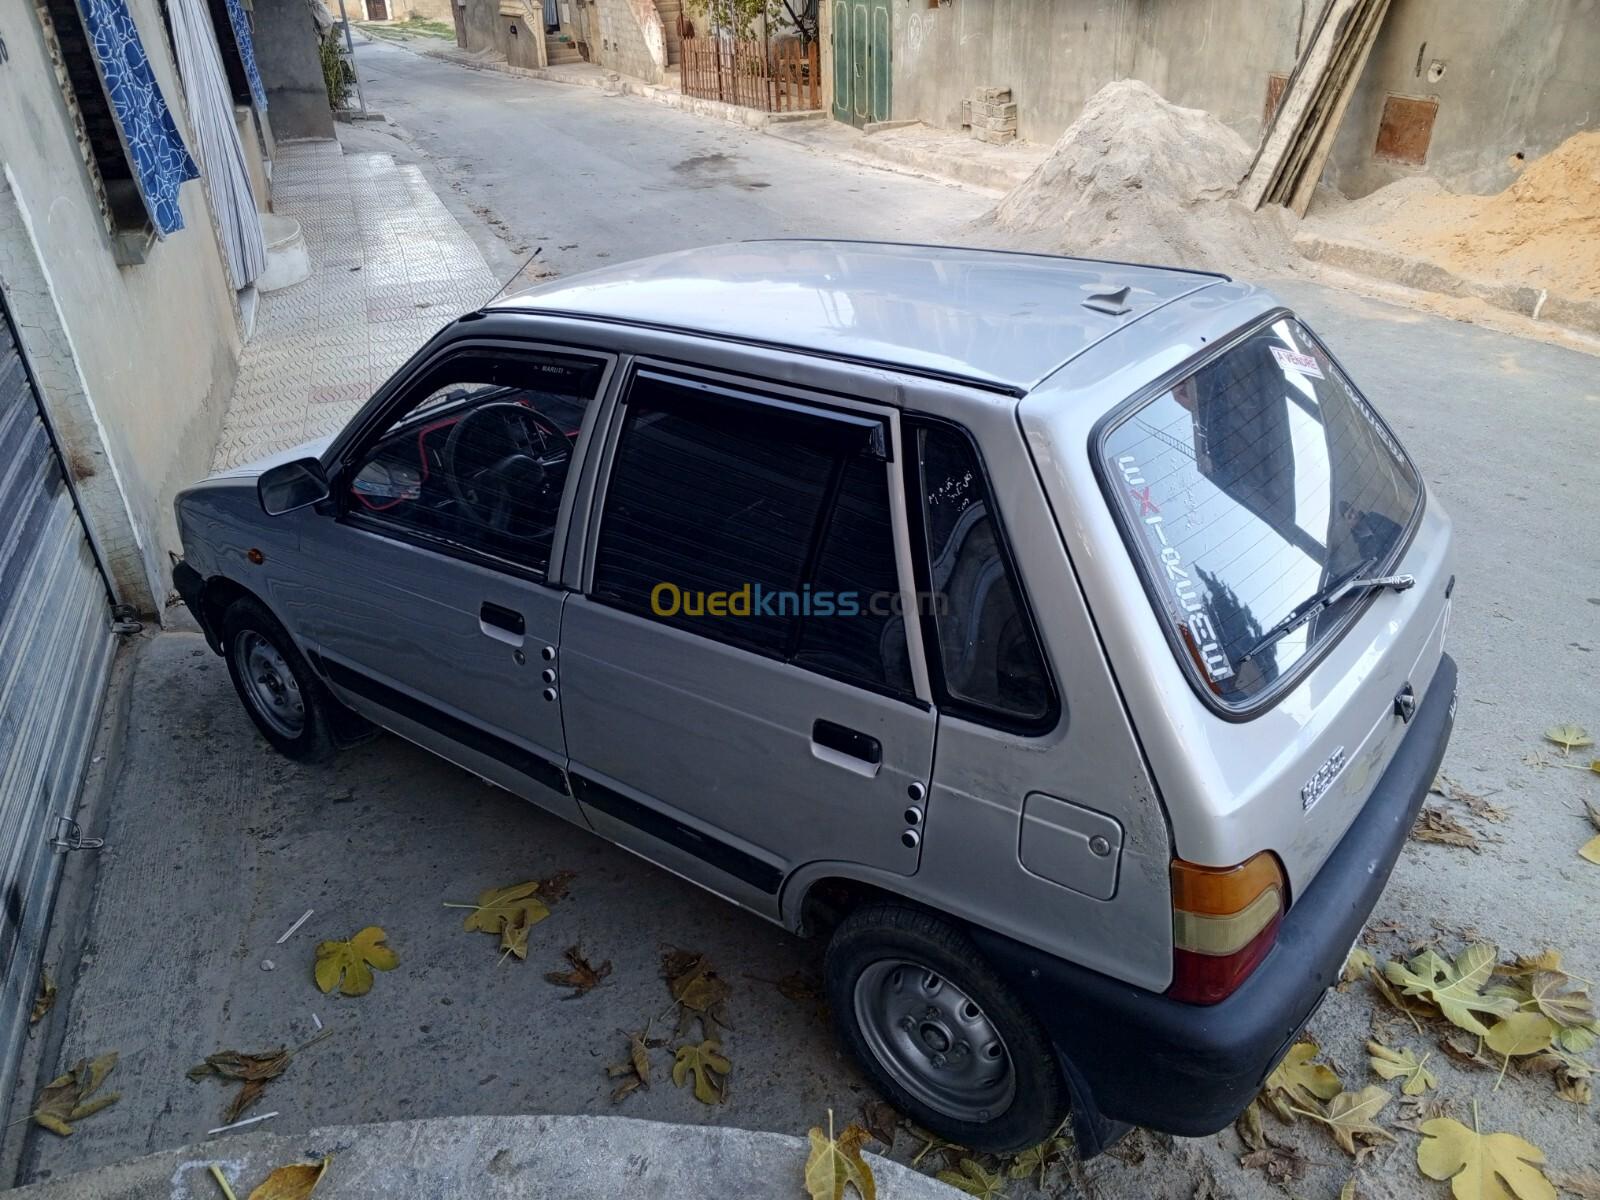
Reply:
x=934, y=1040
x=270, y=685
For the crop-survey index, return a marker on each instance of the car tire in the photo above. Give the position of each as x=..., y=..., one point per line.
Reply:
x=923, y=1013
x=287, y=702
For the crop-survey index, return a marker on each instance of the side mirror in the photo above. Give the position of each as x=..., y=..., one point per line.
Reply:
x=288, y=486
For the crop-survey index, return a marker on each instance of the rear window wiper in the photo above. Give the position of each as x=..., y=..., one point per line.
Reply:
x=1354, y=580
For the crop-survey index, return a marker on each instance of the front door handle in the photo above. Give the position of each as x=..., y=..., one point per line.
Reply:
x=847, y=748
x=502, y=624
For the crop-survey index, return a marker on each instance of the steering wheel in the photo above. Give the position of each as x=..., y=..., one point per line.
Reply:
x=511, y=457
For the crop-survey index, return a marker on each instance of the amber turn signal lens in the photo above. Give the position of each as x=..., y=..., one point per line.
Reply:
x=1223, y=891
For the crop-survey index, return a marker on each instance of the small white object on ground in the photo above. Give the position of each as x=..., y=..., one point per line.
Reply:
x=289, y=932
x=268, y=965
x=240, y=1124
x=317, y=1021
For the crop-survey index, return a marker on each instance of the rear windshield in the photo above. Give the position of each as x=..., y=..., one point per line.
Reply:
x=1246, y=489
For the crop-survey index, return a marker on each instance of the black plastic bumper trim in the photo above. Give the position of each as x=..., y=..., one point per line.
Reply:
x=1138, y=1057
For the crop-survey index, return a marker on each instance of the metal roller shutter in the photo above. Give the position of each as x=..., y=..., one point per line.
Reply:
x=55, y=651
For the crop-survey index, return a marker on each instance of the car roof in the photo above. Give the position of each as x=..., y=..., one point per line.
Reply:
x=997, y=319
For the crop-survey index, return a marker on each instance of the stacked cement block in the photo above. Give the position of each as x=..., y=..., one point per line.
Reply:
x=994, y=115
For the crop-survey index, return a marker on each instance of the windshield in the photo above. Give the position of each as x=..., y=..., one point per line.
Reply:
x=1246, y=489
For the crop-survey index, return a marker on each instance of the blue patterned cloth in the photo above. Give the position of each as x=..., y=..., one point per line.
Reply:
x=161, y=161
x=247, y=52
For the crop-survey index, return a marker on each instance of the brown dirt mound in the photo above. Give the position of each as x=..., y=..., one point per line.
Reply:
x=1543, y=231
x=1137, y=178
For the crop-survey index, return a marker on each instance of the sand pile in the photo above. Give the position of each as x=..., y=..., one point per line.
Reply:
x=1543, y=230
x=1137, y=178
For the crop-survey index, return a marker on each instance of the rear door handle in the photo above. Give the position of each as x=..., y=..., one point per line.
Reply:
x=847, y=748
x=502, y=624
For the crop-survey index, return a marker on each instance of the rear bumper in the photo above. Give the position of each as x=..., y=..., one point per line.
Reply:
x=1137, y=1057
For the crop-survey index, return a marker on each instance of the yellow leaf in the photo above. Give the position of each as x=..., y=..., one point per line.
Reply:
x=1569, y=736
x=1521, y=1033
x=834, y=1164
x=1351, y=1114
x=1497, y=1166
x=349, y=965
x=1456, y=988
x=705, y=1063
x=45, y=1000
x=500, y=906
x=1591, y=850
x=294, y=1182
x=71, y=1097
x=1357, y=965
x=975, y=1180
x=1402, y=1064
x=1301, y=1081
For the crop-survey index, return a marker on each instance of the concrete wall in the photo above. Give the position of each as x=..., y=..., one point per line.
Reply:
x=398, y=10
x=137, y=363
x=631, y=39
x=286, y=52
x=1518, y=76
x=1055, y=54
x=513, y=28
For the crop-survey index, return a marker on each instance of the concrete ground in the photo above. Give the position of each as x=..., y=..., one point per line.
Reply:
x=215, y=846
x=487, y=1158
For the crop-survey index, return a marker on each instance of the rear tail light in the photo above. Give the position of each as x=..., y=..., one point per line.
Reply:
x=1224, y=920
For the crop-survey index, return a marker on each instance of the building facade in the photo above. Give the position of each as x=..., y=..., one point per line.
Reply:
x=1477, y=84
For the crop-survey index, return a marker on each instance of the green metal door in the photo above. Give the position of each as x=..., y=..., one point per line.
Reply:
x=861, y=61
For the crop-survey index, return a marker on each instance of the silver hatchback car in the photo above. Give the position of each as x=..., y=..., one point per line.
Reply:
x=1064, y=639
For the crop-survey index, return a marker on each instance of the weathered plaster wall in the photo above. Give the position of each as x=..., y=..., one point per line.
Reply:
x=137, y=363
x=1518, y=76
x=1055, y=54
x=512, y=28
x=286, y=51
x=631, y=38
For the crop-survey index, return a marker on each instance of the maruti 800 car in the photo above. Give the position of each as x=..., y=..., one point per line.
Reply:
x=1064, y=640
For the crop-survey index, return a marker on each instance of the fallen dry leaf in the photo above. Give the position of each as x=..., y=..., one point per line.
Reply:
x=349, y=965
x=1521, y=1033
x=583, y=978
x=1402, y=1064
x=1436, y=825
x=45, y=1000
x=71, y=1097
x=1455, y=988
x=496, y=906
x=1591, y=849
x=554, y=888
x=708, y=1068
x=1569, y=737
x=836, y=1163
x=975, y=1180
x=1351, y=1116
x=881, y=1121
x=636, y=1069
x=294, y=1182
x=698, y=990
x=1476, y=804
x=1037, y=1160
x=1583, y=1184
x=1297, y=1082
x=1356, y=966
x=1280, y=1164
x=1496, y=1166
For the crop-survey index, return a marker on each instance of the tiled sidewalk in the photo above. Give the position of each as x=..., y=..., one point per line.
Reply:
x=389, y=266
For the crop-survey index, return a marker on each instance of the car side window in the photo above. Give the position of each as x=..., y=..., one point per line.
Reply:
x=479, y=461
x=760, y=525
x=989, y=658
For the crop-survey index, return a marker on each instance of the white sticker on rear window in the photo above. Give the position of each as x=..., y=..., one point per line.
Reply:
x=1304, y=363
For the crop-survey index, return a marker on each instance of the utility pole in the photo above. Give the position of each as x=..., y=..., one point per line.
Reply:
x=350, y=48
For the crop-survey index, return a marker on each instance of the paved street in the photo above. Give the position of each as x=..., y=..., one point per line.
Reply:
x=216, y=845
